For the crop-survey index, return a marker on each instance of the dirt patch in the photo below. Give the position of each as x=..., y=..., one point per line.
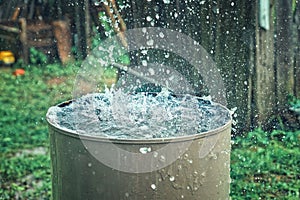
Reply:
x=56, y=81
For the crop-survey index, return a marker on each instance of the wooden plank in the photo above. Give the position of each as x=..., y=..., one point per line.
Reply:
x=284, y=52
x=40, y=35
x=9, y=29
x=24, y=51
x=41, y=42
x=64, y=41
x=87, y=26
x=297, y=50
x=264, y=96
x=80, y=43
x=36, y=27
x=234, y=40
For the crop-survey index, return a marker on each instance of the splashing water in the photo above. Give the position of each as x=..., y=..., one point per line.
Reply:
x=116, y=114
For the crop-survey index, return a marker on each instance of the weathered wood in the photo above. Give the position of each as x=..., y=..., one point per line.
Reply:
x=284, y=52
x=9, y=29
x=297, y=51
x=87, y=26
x=64, y=41
x=263, y=79
x=234, y=31
x=24, y=41
x=38, y=34
x=45, y=42
x=80, y=41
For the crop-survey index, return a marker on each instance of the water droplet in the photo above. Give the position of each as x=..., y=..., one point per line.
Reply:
x=179, y=167
x=232, y=4
x=172, y=178
x=153, y=186
x=145, y=150
x=151, y=71
x=148, y=18
x=89, y=164
x=150, y=42
x=126, y=194
x=144, y=63
x=213, y=156
x=161, y=34
x=144, y=51
x=162, y=158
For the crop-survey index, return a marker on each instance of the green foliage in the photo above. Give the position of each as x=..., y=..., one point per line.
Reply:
x=294, y=103
x=37, y=57
x=266, y=165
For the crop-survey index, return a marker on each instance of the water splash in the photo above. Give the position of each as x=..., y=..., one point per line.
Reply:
x=117, y=114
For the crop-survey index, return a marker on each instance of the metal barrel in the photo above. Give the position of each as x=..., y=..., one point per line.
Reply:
x=193, y=175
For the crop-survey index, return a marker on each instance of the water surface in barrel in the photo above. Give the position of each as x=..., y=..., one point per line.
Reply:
x=116, y=114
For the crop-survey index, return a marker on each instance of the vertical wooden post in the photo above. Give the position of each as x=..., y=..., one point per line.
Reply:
x=64, y=40
x=297, y=50
x=80, y=40
x=87, y=25
x=24, y=41
x=264, y=80
x=233, y=38
x=284, y=52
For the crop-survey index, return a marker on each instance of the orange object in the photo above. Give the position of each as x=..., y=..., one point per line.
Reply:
x=19, y=72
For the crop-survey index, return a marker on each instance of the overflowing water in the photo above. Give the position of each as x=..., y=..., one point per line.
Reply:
x=116, y=114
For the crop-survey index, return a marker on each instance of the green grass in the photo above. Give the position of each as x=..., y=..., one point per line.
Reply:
x=24, y=102
x=264, y=165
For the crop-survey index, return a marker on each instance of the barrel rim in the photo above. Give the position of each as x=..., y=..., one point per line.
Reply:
x=74, y=134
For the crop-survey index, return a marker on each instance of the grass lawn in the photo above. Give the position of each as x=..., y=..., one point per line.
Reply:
x=264, y=165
